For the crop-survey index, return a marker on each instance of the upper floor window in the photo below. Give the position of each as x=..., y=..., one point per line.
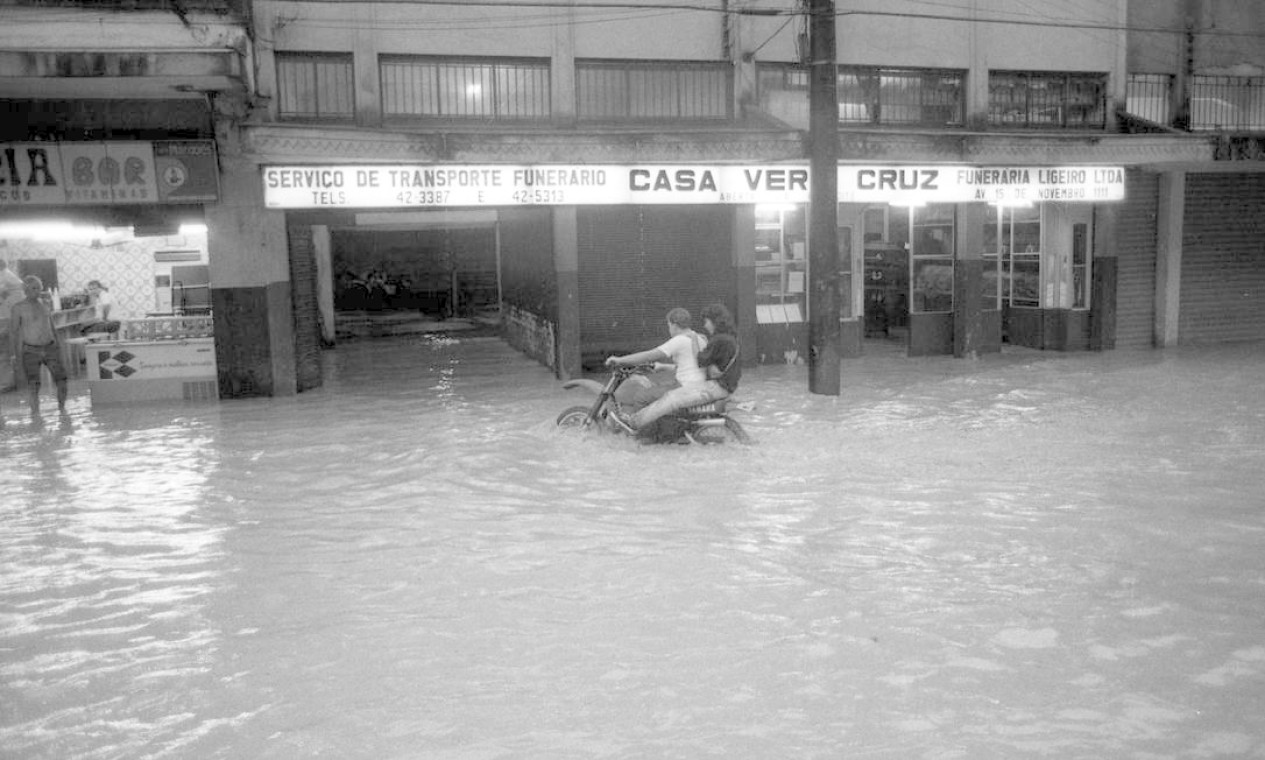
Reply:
x=1047, y=99
x=900, y=96
x=1149, y=96
x=869, y=95
x=1235, y=104
x=315, y=86
x=675, y=90
x=464, y=89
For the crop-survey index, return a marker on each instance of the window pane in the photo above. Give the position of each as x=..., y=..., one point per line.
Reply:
x=315, y=86
x=1025, y=280
x=476, y=90
x=1047, y=99
x=932, y=284
x=651, y=90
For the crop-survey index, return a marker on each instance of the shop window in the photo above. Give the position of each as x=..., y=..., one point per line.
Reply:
x=315, y=86
x=1050, y=100
x=1080, y=266
x=1012, y=244
x=931, y=258
x=781, y=264
x=464, y=89
x=677, y=91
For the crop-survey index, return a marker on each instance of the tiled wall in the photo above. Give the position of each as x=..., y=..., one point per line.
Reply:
x=126, y=266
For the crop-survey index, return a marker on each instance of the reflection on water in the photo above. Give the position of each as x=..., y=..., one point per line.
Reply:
x=1032, y=554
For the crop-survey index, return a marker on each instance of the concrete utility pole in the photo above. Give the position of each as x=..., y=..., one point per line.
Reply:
x=824, y=275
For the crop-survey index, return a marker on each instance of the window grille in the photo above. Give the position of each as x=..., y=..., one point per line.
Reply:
x=1149, y=96
x=464, y=89
x=900, y=96
x=1052, y=100
x=1235, y=104
x=315, y=86
x=652, y=90
x=867, y=95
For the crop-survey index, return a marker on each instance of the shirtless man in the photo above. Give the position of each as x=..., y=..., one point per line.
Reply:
x=34, y=342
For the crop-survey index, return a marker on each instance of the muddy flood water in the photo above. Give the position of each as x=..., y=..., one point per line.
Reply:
x=1029, y=555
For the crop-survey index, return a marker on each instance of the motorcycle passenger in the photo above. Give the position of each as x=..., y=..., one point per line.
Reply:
x=680, y=350
x=720, y=358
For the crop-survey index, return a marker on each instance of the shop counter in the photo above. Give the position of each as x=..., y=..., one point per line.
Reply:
x=129, y=371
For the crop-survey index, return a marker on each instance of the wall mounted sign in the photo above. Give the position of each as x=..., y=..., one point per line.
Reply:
x=446, y=186
x=108, y=173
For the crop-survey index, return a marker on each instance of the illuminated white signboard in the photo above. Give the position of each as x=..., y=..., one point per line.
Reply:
x=107, y=173
x=396, y=186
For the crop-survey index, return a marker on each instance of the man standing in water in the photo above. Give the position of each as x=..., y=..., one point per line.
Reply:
x=35, y=343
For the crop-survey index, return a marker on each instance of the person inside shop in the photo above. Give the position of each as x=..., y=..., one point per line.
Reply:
x=35, y=343
x=100, y=299
x=11, y=291
x=681, y=352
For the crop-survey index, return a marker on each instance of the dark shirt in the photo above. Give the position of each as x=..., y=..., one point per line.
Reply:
x=721, y=352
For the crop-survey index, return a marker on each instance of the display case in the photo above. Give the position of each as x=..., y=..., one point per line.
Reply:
x=781, y=265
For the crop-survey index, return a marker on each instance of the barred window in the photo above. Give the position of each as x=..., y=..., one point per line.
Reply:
x=1230, y=103
x=630, y=90
x=315, y=86
x=464, y=89
x=1041, y=99
x=870, y=95
x=1149, y=95
x=901, y=96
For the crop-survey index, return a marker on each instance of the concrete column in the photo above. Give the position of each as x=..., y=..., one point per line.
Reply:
x=250, y=281
x=1168, y=261
x=968, y=279
x=365, y=67
x=566, y=265
x=1104, y=268
x=976, y=115
x=743, y=241
x=562, y=71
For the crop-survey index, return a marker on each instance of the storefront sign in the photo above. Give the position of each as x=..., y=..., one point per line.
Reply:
x=395, y=186
x=107, y=173
x=993, y=184
x=504, y=185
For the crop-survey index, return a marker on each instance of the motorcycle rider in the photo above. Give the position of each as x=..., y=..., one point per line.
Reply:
x=718, y=362
x=680, y=350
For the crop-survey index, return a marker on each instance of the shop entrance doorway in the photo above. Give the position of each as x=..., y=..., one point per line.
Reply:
x=390, y=278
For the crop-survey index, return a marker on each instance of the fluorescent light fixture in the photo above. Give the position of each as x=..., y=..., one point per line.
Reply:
x=50, y=230
x=193, y=228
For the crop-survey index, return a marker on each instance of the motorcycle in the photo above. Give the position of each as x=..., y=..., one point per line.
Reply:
x=704, y=424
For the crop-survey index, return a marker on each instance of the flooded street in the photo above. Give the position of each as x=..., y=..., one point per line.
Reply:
x=1029, y=555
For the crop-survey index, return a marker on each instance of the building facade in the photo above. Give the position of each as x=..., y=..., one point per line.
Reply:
x=1083, y=176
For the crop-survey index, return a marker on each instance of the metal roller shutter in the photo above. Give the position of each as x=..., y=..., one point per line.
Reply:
x=1135, y=252
x=1223, y=259
x=637, y=262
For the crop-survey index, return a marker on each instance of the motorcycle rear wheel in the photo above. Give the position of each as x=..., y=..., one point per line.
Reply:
x=573, y=417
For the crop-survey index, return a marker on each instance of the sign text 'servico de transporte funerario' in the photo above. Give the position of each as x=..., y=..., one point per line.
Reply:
x=396, y=186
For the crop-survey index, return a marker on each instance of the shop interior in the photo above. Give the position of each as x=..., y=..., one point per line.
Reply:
x=155, y=272
x=396, y=278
